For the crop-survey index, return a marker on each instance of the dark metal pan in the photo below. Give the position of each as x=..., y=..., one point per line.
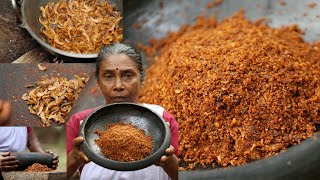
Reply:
x=15, y=77
x=28, y=12
x=140, y=117
x=158, y=17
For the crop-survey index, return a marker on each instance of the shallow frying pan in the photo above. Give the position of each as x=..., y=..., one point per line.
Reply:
x=28, y=12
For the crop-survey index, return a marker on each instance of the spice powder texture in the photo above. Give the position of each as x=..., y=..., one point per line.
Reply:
x=124, y=142
x=36, y=167
x=240, y=90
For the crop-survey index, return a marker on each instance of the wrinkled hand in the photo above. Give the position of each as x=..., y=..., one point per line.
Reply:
x=55, y=160
x=167, y=158
x=5, y=112
x=8, y=162
x=77, y=153
x=76, y=157
x=169, y=163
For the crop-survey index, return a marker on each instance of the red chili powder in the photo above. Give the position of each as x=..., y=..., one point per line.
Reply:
x=36, y=167
x=240, y=90
x=124, y=142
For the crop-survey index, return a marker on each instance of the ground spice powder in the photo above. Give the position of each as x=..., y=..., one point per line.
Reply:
x=240, y=90
x=124, y=142
x=36, y=167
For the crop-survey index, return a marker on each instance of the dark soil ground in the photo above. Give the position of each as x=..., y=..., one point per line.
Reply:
x=14, y=41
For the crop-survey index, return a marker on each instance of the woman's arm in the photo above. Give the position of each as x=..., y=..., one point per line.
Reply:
x=34, y=146
x=76, y=158
x=5, y=112
x=169, y=163
x=33, y=143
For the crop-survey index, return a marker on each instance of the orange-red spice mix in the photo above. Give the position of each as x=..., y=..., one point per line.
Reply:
x=241, y=91
x=124, y=142
x=36, y=167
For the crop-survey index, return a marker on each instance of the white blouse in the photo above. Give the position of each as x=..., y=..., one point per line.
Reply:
x=13, y=139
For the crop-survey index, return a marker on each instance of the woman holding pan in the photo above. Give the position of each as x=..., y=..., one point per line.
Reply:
x=120, y=77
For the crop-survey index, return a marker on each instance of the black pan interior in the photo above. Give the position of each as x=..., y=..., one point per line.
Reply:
x=135, y=115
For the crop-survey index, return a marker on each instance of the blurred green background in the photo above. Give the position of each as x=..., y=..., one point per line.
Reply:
x=54, y=139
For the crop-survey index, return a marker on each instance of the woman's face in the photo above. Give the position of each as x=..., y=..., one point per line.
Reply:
x=119, y=79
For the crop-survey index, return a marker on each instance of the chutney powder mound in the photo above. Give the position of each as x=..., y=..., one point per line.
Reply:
x=240, y=90
x=124, y=142
x=36, y=167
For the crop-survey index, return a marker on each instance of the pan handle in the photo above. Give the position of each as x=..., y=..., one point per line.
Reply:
x=16, y=4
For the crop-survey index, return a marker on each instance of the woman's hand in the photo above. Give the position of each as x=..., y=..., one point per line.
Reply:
x=5, y=112
x=77, y=153
x=169, y=163
x=76, y=157
x=55, y=160
x=167, y=158
x=8, y=162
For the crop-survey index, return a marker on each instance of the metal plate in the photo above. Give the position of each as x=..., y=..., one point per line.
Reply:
x=30, y=10
x=14, y=78
x=14, y=41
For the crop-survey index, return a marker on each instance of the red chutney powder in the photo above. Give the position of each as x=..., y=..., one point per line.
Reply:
x=124, y=142
x=36, y=167
x=240, y=90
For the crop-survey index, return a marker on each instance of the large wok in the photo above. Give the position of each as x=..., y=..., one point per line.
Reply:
x=157, y=17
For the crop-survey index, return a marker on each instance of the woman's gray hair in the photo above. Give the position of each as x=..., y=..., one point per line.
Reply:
x=119, y=48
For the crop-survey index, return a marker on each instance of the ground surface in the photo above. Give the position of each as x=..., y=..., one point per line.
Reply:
x=14, y=41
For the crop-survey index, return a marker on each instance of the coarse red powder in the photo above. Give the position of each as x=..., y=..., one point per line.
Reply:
x=240, y=90
x=124, y=142
x=36, y=167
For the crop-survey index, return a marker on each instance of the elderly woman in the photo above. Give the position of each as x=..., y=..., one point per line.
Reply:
x=120, y=77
